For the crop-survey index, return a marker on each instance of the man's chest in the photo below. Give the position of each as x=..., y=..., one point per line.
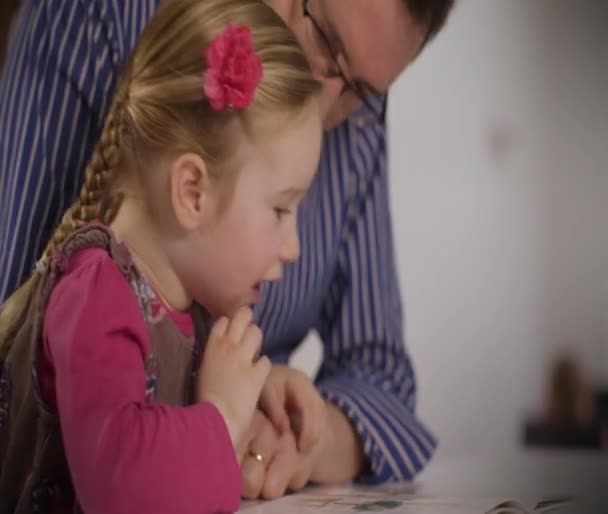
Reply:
x=290, y=308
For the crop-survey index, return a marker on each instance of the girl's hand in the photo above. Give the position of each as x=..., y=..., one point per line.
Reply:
x=230, y=375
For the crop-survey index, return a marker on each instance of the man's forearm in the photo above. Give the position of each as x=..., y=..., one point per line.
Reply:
x=341, y=457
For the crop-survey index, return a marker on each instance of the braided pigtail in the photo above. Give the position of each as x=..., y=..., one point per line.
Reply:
x=103, y=163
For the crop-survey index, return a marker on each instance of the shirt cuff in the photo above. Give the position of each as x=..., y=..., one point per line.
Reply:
x=396, y=443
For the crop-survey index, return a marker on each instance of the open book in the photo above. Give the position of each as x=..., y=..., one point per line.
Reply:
x=544, y=506
x=398, y=499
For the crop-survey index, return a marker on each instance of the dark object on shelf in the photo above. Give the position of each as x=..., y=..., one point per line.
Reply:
x=542, y=433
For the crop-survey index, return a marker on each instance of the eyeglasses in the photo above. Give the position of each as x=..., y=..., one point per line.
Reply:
x=368, y=98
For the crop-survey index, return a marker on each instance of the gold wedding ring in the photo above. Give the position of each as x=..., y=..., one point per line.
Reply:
x=257, y=456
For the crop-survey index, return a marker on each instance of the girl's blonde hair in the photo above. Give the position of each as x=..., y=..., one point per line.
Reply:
x=159, y=107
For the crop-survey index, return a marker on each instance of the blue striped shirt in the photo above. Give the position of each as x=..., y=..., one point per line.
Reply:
x=55, y=90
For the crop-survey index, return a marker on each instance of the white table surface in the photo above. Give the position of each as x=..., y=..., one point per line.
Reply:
x=531, y=473
x=526, y=475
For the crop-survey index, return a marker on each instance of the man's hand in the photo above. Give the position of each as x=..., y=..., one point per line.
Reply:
x=261, y=439
x=293, y=403
x=308, y=439
x=287, y=434
x=282, y=467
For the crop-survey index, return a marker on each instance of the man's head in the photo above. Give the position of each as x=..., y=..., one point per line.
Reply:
x=359, y=47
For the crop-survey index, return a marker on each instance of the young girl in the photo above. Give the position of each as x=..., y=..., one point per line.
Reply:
x=188, y=204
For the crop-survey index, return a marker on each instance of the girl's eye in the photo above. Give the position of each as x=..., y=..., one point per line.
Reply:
x=333, y=72
x=280, y=212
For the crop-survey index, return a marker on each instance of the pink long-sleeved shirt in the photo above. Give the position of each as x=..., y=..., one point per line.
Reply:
x=126, y=455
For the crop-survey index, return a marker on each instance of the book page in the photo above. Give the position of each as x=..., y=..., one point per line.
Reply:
x=396, y=499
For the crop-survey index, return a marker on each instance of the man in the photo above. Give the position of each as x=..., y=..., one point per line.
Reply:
x=60, y=72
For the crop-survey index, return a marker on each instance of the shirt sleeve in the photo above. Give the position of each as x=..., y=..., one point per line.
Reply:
x=366, y=370
x=126, y=455
x=55, y=89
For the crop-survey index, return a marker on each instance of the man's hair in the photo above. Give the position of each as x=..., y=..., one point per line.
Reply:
x=431, y=13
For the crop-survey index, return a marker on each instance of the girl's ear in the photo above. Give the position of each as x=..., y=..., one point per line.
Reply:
x=190, y=190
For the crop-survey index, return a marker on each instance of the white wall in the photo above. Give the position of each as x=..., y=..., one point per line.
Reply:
x=499, y=162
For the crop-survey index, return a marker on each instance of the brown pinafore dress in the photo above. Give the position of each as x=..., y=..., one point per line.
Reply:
x=34, y=475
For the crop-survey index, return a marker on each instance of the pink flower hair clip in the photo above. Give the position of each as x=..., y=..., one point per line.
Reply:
x=233, y=69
